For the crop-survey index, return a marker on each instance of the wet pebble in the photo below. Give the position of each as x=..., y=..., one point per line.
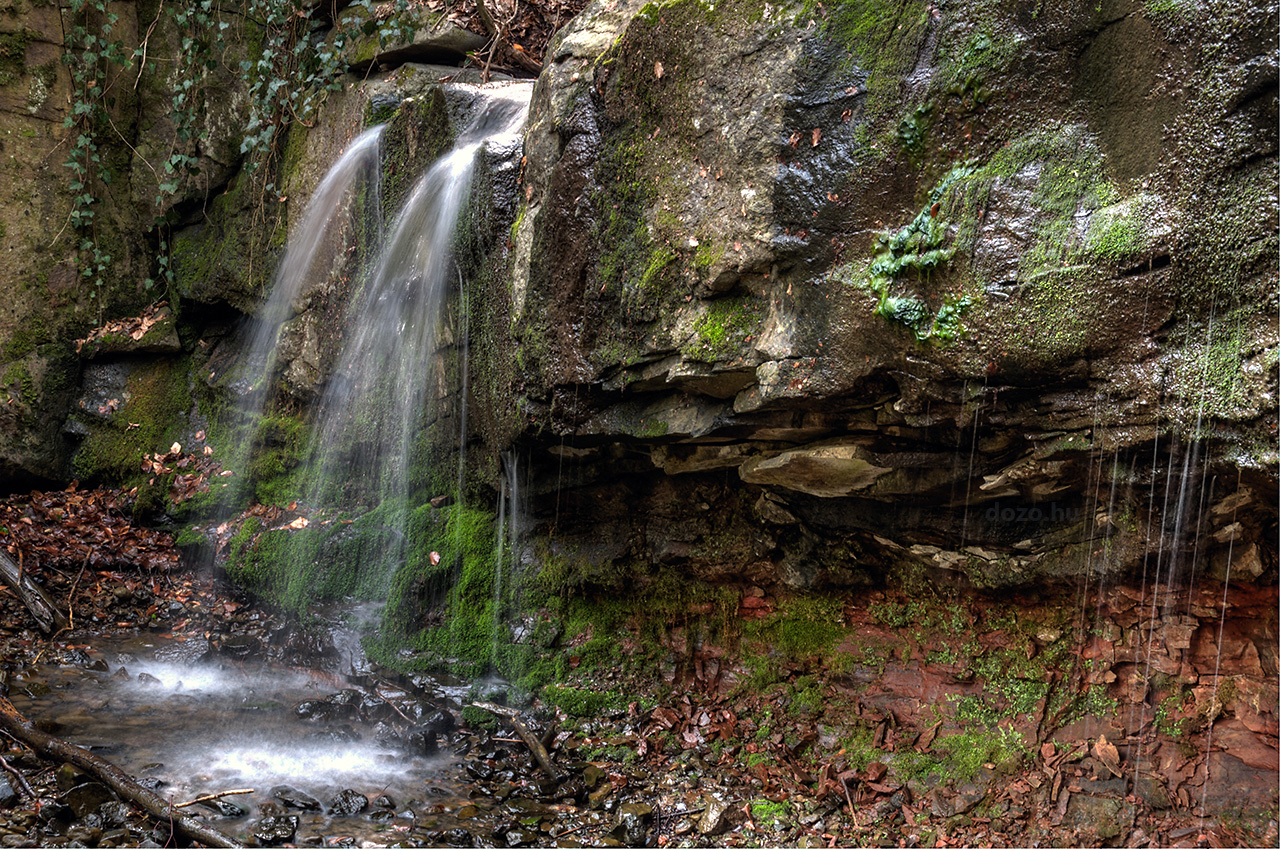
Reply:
x=291, y=797
x=84, y=835
x=348, y=803
x=274, y=830
x=634, y=821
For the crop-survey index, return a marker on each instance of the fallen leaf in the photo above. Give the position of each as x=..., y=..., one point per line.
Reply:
x=1107, y=754
x=816, y=134
x=657, y=70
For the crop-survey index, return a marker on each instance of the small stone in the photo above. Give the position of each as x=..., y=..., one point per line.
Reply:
x=348, y=803
x=714, y=819
x=84, y=799
x=272, y=831
x=591, y=776
x=597, y=797
x=83, y=834
x=634, y=819
x=224, y=808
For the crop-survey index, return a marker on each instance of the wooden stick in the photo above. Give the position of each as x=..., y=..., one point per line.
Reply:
x=513, y=716
x=112, y=776
x=213, y=796
x=21, y=782
x=37, y=603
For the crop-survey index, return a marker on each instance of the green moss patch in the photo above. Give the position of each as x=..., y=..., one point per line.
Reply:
x=149, y=417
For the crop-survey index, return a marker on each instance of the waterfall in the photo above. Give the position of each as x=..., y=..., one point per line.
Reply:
x=319, y=239
x=335, y=219
x=376, y=432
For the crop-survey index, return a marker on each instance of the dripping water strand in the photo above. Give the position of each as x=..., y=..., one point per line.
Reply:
x=1217, y=662
x=973, y=450
x=1142, y=599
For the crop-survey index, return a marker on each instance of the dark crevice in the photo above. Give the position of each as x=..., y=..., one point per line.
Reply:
x=1154, y=264
x=413, y=54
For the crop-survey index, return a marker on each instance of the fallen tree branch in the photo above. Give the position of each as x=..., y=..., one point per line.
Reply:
x=535, y=746
x=37, y=603
x=111, y=775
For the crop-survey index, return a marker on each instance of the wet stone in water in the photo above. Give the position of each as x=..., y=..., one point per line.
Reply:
x=224, y=808
x=291, y=797
x=634, y=819
x=272, y=831
x=348, y=803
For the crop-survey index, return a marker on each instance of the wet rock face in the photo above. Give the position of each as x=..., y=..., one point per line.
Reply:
x=927, y=286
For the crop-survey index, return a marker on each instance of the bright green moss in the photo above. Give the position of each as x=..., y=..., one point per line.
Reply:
x=277, y=459
x=766, y=813
x=722, y=329
x=151, y=416
x=580, y=702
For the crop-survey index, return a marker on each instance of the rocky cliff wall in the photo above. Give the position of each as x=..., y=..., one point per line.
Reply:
x=807, y=294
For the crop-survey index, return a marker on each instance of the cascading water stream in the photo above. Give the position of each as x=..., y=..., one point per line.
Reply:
x=390, y=375
x=321, y=237
x=334, y=220
x=512, y=520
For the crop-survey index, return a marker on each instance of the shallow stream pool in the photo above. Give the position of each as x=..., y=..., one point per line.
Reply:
x=160, y=711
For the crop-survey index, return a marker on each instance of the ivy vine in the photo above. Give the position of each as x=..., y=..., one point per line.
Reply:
x=297, y=60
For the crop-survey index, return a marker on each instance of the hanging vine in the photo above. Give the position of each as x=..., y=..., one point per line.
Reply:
x=297, y=60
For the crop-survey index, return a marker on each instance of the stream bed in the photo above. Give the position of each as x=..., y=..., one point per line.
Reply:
x=165, y=712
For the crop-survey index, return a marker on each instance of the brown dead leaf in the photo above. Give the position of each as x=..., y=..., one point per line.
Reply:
x=927, y=737
x=815, y=134
x=657, y=70
x=1107, y=754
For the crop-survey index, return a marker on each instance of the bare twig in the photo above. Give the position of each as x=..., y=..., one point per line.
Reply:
x=71, y=597
x=145, y=42
x=213, y=796
x=22, y=784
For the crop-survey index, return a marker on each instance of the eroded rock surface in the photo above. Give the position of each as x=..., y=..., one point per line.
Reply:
x=959, y=287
